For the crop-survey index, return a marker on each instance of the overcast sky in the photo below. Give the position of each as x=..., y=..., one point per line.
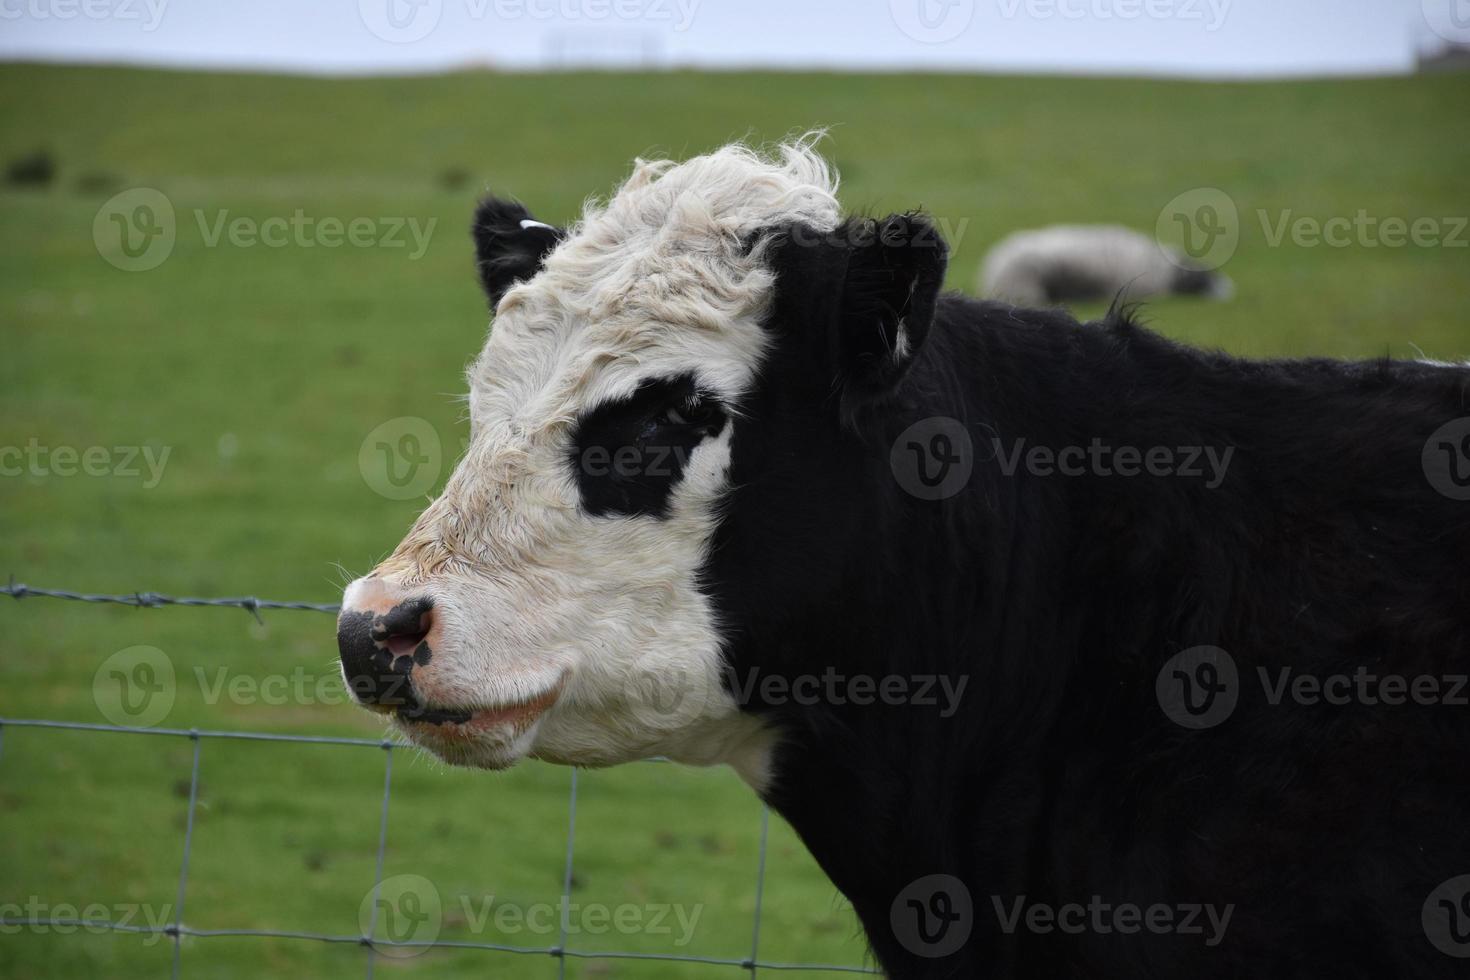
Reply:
x=1176, y=37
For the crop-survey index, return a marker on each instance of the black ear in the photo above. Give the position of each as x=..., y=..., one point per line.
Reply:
x=870, y=287
x=509, y=245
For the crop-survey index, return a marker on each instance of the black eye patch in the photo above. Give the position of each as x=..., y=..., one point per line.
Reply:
x=628, y=455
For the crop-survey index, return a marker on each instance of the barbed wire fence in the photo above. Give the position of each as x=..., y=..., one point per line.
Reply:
x=178, y=929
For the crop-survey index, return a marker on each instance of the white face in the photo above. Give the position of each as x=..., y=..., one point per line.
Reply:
x=564, y=616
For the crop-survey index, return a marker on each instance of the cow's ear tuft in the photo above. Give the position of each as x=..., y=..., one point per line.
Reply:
x=509, y=245
x=895, y=271
x=863, y=295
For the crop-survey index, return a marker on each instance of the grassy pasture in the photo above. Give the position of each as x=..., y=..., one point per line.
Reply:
x=261, y=369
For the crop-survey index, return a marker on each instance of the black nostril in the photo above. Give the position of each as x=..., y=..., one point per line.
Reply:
x=379, y=652
x=401, y=630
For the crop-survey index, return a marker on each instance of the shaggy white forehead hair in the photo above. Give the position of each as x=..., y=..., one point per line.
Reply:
x=667, y=258
x=667, y=277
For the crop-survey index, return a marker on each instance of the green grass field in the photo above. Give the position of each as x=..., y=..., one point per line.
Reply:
x=263, y=369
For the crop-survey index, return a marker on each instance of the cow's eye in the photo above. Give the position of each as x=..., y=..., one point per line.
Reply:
x=693, y=411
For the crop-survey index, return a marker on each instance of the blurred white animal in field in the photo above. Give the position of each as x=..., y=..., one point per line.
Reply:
x=1071, y=263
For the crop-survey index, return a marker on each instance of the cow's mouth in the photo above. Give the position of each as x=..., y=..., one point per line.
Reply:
x=434, y=716
x=464, y=720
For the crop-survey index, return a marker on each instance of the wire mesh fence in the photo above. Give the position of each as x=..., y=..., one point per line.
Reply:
x=374, y=946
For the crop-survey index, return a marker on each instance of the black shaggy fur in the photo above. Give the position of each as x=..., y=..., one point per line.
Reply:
x=1324, y=549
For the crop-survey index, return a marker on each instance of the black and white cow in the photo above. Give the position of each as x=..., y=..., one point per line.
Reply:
x=1018, y=622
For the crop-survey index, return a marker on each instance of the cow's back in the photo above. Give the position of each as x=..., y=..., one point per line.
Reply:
x=1311, y=575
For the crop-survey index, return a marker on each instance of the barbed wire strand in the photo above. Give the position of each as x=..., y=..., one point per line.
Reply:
x=177, y=930
x=157, y=600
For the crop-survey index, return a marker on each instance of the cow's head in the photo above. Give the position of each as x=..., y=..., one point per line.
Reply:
x=554, y=601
